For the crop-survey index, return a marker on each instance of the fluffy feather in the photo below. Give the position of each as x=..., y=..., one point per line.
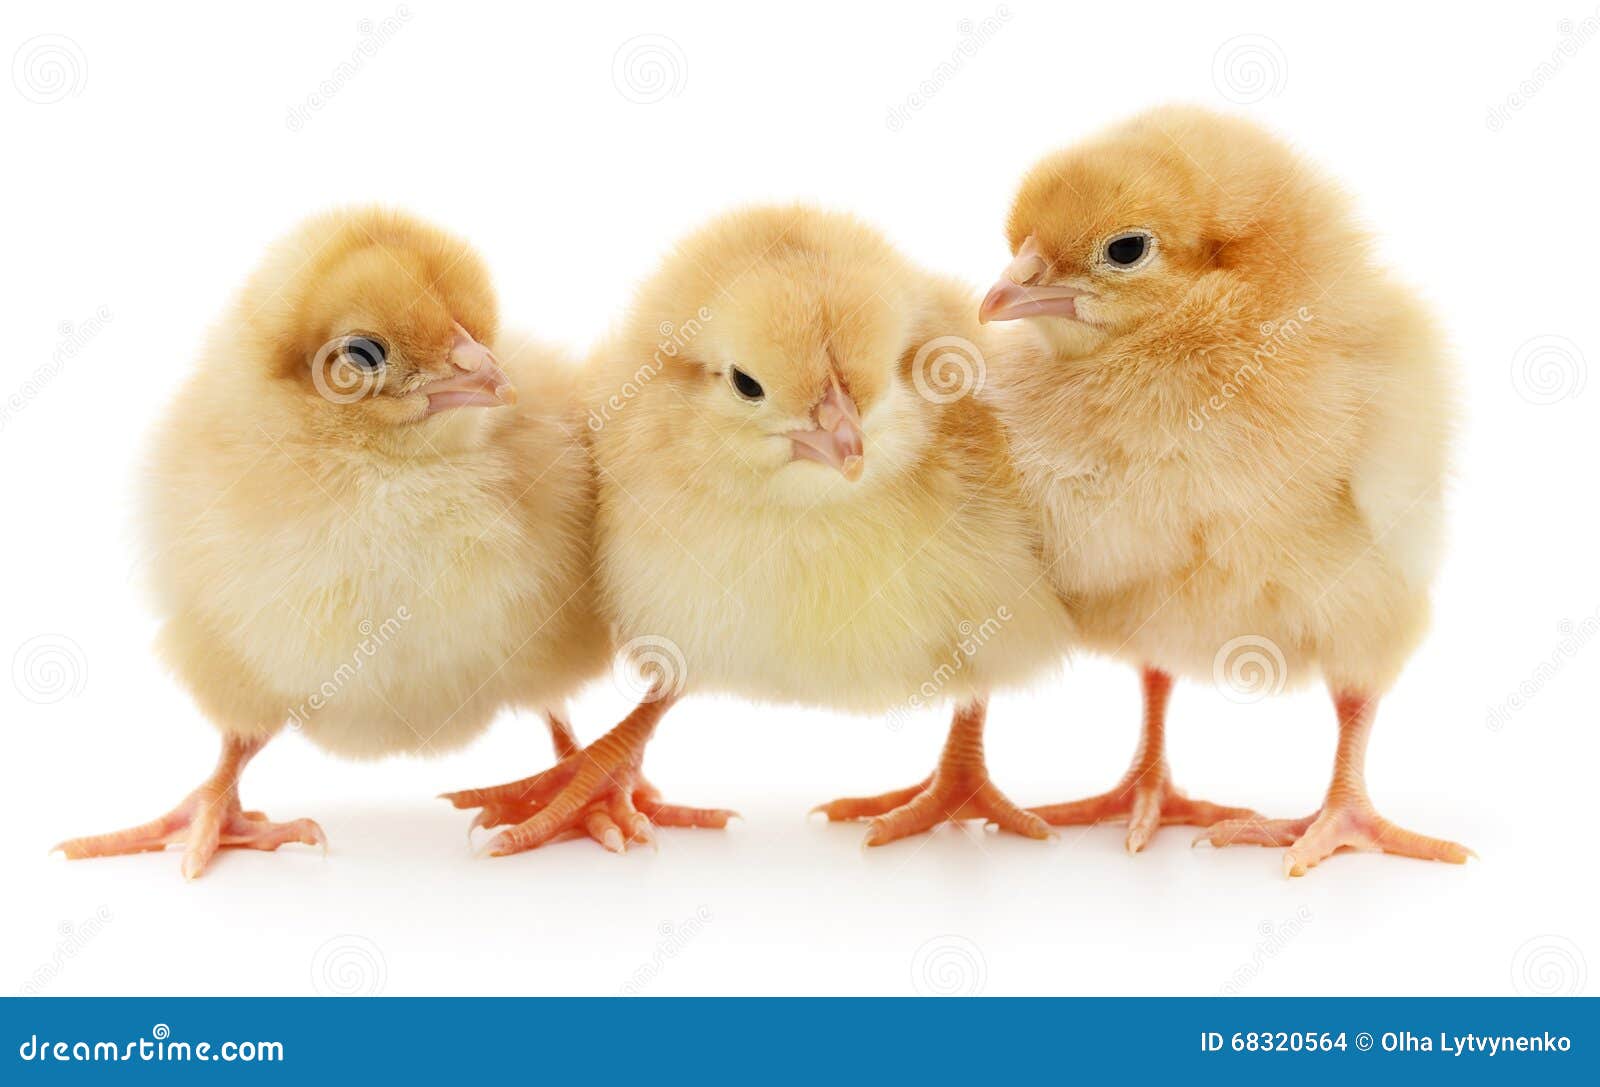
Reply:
x=1248, y=436
x=779, y=578
x=348, y=532
x=1236, y=425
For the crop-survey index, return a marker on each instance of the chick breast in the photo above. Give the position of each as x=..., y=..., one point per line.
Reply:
x=375, y=605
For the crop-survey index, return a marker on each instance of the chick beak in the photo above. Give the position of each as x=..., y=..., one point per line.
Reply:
x=1019, y=293
x=836, y=440
x=479, y=381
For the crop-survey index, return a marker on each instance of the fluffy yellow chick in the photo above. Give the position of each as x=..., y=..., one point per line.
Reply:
x=800, y=503
x=357, y=530
x=1236, y=424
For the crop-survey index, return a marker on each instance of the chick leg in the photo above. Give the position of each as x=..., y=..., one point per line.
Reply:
x=599, y=791
x=1347, y=819
x=208, y=819
x=958, y=789
x=1145, y=796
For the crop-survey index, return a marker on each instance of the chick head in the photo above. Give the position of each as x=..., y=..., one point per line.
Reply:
x=1115, y=232
x=780, y=336
x=376, y=324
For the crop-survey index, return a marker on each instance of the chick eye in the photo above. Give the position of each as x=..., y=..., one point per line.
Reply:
x=745, y=385
x=365, y=352
x=1127, y=250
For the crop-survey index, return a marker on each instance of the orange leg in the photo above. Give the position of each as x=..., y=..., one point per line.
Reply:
x=1347, y=819
x=208, y=819
x=599, y=791
x=1145, y=796
x=958, y=789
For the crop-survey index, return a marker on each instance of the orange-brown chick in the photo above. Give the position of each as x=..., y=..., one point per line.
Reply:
x=1236, y=425
x=355, y=526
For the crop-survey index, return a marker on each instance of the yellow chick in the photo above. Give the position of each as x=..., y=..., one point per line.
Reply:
x=1236, y=425
x=356, y=529
x=800, y=501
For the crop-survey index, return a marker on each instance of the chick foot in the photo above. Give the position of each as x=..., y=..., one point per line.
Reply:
x=959, y=789
x=1351, y=824
x=519, y=801
x=599, y=791
x=1347, y=819
x=208, y=819
x=1145, y=797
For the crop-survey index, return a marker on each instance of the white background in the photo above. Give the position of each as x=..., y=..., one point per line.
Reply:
x=146, y=172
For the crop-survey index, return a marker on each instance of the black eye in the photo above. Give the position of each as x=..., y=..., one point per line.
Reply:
x=365, y=353
x=1126, y=250
x=745, y=385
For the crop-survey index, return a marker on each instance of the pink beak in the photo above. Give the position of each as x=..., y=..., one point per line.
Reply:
x=1018, y=292
x=837, y=440
x=479, y=384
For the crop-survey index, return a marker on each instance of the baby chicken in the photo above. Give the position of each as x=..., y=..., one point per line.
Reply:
x=1236, y=425
x=356, y=529
x=799, y=503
